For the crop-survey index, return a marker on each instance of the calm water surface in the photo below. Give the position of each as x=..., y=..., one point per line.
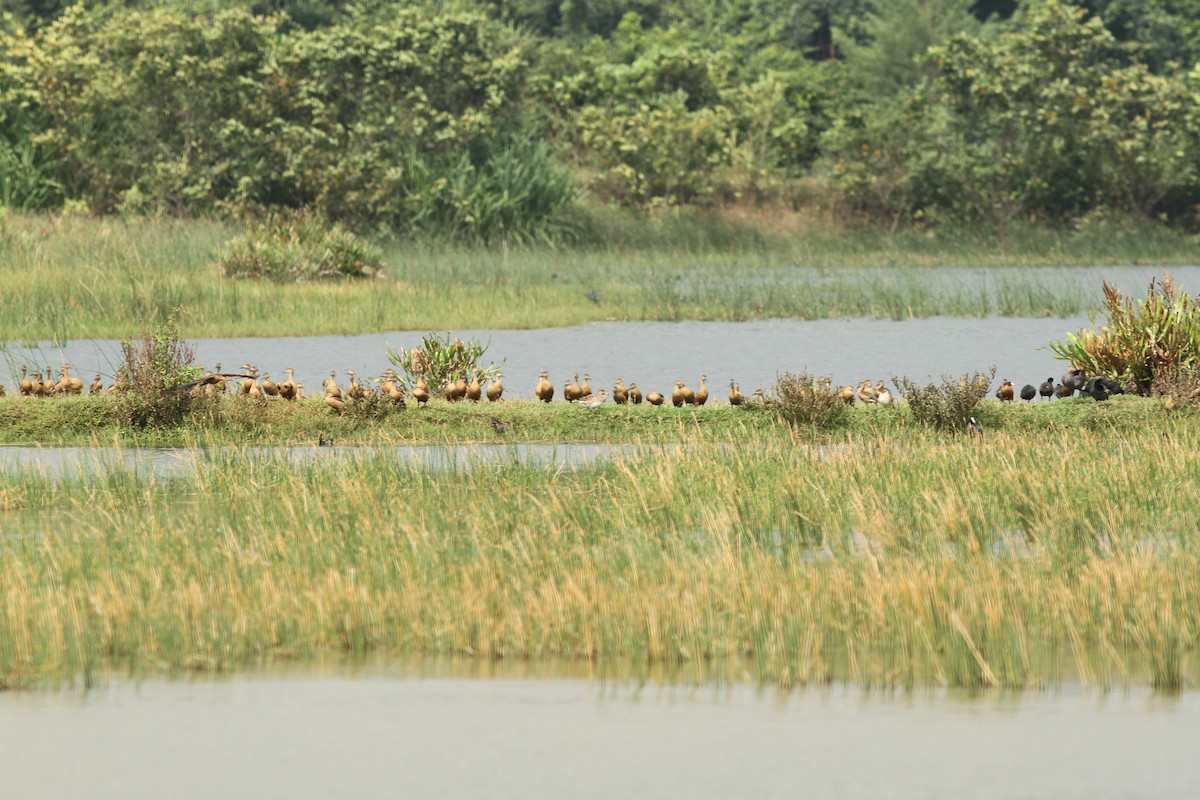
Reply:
x=381, y=735
x=654, y=354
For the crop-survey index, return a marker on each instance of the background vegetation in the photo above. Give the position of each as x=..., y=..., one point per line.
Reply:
x=502, y=121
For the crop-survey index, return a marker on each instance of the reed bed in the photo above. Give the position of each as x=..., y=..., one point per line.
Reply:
x=68, y=278
x=1014, y=561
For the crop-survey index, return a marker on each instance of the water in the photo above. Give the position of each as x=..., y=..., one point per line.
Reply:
x=384, y=734
x=172, y=462
x=654, y=354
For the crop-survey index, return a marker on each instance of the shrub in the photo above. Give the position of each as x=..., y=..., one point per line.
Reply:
x=946, y=407
x=153, y=368
x=806, y=400
x=1161, y=334
x=299, y=246
x=441, y=359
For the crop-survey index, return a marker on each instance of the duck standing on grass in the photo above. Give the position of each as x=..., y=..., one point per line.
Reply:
x=1028, y=392
x=591, y=401
x=1046, y=390
x=1005, y=393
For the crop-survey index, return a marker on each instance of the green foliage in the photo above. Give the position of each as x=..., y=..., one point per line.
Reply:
x=1154, y=340
x=947, y=406
x=292, y=246
x=441, y=360
x=26, y=177
x=808, y=401
x=1045, y=121
x=152, y=371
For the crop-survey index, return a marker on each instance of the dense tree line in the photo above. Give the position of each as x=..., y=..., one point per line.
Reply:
x=488, y=119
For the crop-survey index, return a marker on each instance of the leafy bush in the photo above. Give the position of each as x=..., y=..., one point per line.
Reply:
x=151, y=372
x=946, y=407
x=1142, y=343
x=299, y=246
x=441, y=359
x=807, y=400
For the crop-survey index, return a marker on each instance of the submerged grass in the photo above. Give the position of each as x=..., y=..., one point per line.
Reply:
x=70, y=278
x=1003, y=562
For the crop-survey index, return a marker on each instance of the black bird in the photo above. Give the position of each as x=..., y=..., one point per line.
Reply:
x=1075, y=379
x=1095, y=389
x=1028, y=392
x=974, y=428
x=595, y=298
x=498, y=426
x=1113, y=386
x=323, y=442
x=1046, y=390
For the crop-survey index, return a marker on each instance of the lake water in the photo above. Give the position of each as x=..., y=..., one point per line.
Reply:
x=654, y=354
x=381, y=733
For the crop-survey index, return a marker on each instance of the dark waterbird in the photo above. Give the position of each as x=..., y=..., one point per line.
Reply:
x=974, y=428
x=1028, y=392
x=1062, y=391
x=1075, y=379
x=1096, y=389
x=1046, y=390
x=322, y=441
x=1113, y=386
x=498, y=426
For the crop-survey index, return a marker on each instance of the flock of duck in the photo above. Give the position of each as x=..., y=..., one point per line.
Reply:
x=250, y=383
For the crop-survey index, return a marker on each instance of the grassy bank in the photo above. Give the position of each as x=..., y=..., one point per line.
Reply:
x=1008, y=561
x=234, y=420
x=70, y=278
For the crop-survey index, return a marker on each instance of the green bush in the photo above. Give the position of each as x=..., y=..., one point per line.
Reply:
x=294, y=246
x=805, y=400
x=1156, y=341
x=440, y=360
x=152, y=370
x=947, y=406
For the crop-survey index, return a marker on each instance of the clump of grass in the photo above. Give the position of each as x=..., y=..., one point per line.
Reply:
x=808, y=401
x=299, y=245
x=947, y=406
x=441, y=359
x=152, y=377
x=1160, y=333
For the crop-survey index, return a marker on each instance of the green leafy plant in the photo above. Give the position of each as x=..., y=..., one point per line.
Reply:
x=299, y=246
x=441, y=359
x=947, y=406
x=806, y=400
x=153, y=371
x=1141, y=341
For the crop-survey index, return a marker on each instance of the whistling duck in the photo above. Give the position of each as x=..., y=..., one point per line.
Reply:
x=677, y=396
x=394, y=392
x=330, y=384
x=545, y=389
x=1046, y=390
x=420, y=391
x=26, y=384
x=354, y=389
x=335, y=403
x=866, y=394
x=847, y=395
x=882, y=396
x=460, y=388
x=47, y=381
x=655, y=399
x=256, y=391
x=635, y=394
x=620, y=393
x=270, y=388
x=689, y=396
x=287, y=389
x=38, y=388
x=585, y=388
x=1028, y=392
x=1005, y=393
x=249, y=382
x=736, y=398
x=701, y=396
x=495, y=388
x=591, y=400
x=571, y=391
x=96, y=388
x=474, y=390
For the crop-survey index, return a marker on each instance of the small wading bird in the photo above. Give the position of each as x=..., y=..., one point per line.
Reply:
x=591, y=400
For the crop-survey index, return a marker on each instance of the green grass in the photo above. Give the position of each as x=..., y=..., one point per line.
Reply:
x=70, y=278
x=1014, y=560
x=234, y=420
